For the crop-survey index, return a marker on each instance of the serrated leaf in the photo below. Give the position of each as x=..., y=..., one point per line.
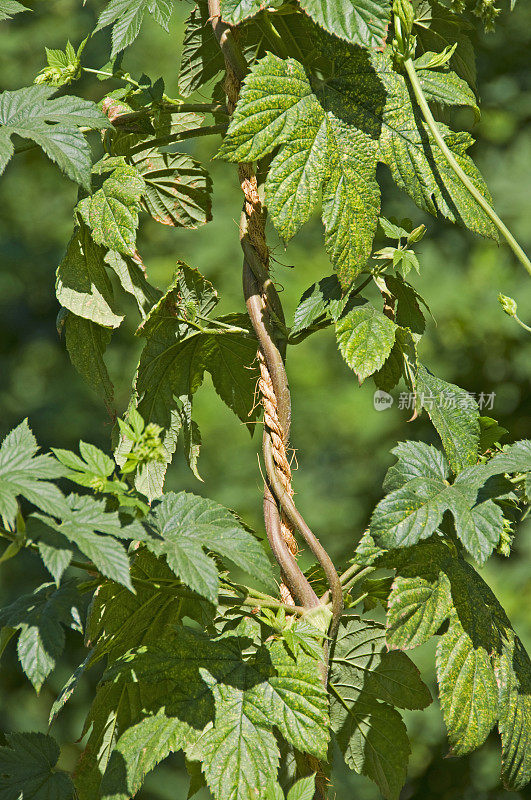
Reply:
x=111, y=213
x=201, y=58
x=467, y=689
x=186, y=524
x=126, y=17
x=327, y=143
x=483, y=671
x=418, y=165
x=513, y=676
x=320, y=302
x=455, y=415
x=67, y=691
x=138, y=750
x=361, y=660
x=83, y=286
x=87, y=525
x=441, y=29
x=40, y=618
x=53, y=124
x=420, y=598
x=24, y=473
x=370, y=733
x=448, y=89
x=415, y=460
x=86, y=343
x=239, y=754
x=365, y=337
x=177, y=188
x=408, y=313
x=362, y=22
x=235, y=11
x=490, y=433
x=410, y=513
x=27, y=769
x=8, y=9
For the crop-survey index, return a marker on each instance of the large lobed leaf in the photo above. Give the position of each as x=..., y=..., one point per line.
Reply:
x=53, y=124
x=188, y=524
x=208, y=696
x=421, y=494
x=483, y=671
x=328, y=145
x=366, y=684
x=331, y=132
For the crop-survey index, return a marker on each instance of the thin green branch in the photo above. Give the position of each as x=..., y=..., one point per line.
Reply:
x=465, y=180
x=88, y=566
x=161, y=141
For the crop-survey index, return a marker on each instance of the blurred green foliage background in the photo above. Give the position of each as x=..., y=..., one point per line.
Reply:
x=341, y=443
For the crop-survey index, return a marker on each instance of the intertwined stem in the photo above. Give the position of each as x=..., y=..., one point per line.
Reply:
x=261, y=298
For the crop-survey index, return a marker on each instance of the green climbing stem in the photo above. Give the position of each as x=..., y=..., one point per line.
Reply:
x=465, y=180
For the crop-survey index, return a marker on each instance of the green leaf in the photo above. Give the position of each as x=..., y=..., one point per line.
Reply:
x=370, y=733
x=448, y=89
x=179, y=349
x=415, y=460
x=111, y=212
x=361, y=659
x=53, y=124
x=467, y=689
x=416, y=162
x=202, y=58
x=87, y=525
x=249, y=703
x=513, y=458
x=455, y=415
x=408, y=313
x=437, y=29
x=235, y=11
x=362, y=22
x=483, y=671
x=327, y=143
x=415, y=509
x=27, y=769
x=186, y=524
x=240, y=753
x=40, y=618
x=86, y=343
x=23, y=473
x=126, y=17
x=304, y=789
x=132, y=275
x=490, y=433
x=8, y=9
x=513, y=675
x=321, y=302
x=83, y=286
x=365, y=337
x=177, y=188
x=68, y=689
x=420, y=598
x=138, y=750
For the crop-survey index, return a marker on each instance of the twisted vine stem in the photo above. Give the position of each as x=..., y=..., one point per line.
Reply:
x=262, y=299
